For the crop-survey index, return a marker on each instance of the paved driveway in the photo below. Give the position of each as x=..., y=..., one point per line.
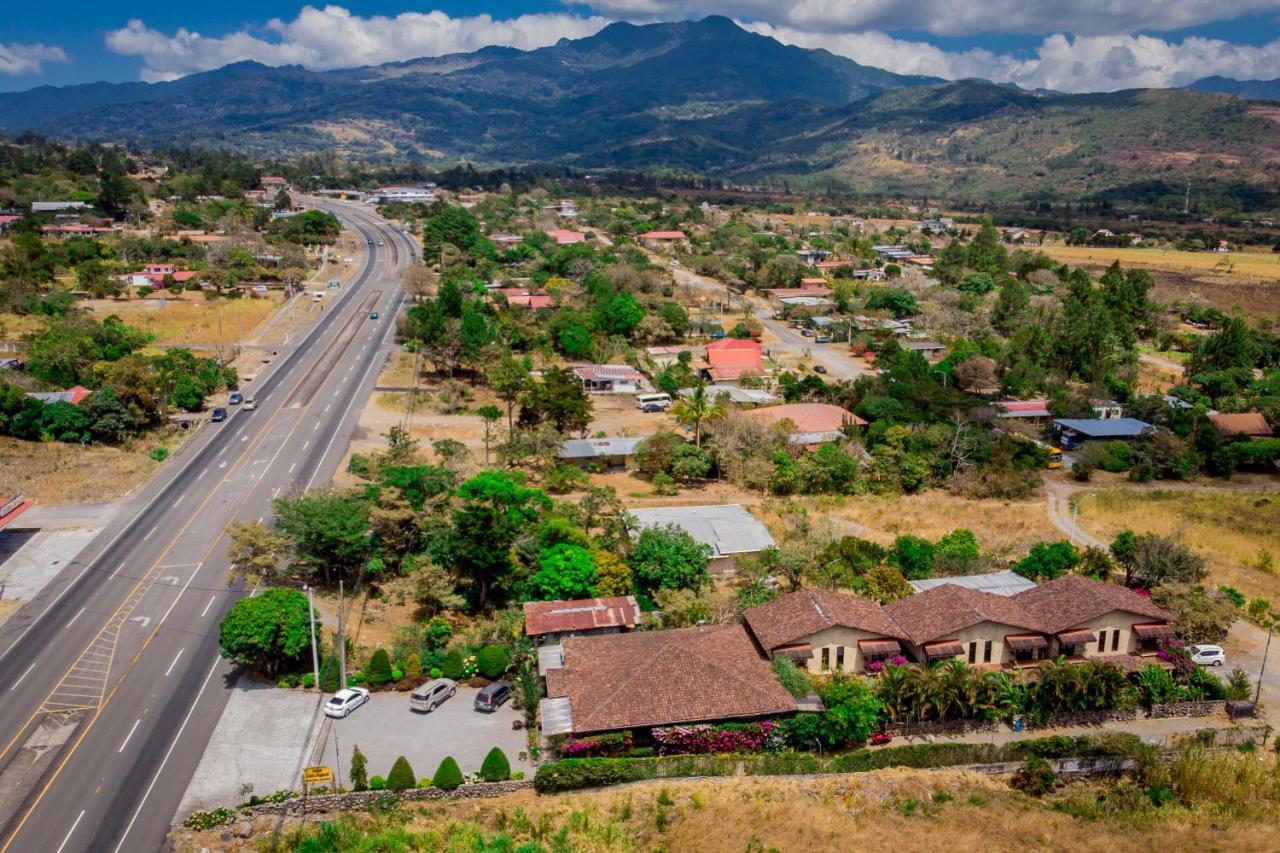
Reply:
x=385, y=728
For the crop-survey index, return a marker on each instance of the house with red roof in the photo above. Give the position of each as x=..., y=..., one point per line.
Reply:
x=728, y=359
x=153, y=276
x=74, y=395
x=525, y=298
x=548, y=622
x=814, y=423
x=565, y=237
x=662, y=239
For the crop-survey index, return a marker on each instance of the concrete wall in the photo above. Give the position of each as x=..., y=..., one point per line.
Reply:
x=980, y=633
x=1116, y=620
x=833, y=639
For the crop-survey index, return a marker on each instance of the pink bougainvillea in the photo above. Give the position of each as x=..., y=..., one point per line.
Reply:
x=723, y=738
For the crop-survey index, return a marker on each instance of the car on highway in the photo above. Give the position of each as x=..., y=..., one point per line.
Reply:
x=492, y=697
x=250, y=403
x=373, y=315
x=380, y=243
x=370, y=242
x=1208, y=654
x=818, y=368
x=219, y=414
x=427, y=697
x=342, y=703
x=236, y=398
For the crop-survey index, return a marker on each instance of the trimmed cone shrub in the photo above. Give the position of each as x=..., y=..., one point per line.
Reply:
x=452, y=666
x=401, y=777
x=379, y=670
x=495, y=768
x=492, y=661
x=358, y=774
x=447, y=775
x=329, y=675
x=413, y=667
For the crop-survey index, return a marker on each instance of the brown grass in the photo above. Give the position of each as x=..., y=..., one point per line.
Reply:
x=895, y=811
x=1230, y=529
x=56, y=473
x=191, y=319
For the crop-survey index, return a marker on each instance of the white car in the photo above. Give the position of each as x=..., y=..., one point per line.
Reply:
x=342, y=703
x=250, y=403
x=1207, y=654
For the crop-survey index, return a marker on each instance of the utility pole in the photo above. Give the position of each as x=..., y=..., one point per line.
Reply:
x=311, y=617
x=1257, y=692
x=342, y=638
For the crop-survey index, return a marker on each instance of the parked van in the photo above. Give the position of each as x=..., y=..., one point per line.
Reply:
x=427, y=697
x=645, y=400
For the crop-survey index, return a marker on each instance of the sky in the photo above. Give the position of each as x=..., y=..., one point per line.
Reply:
x=1068, y=45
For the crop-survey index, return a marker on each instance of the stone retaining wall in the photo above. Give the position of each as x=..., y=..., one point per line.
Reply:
x=1087, y=718
x=1187, y=709
x=904, y=728
x=363, y=799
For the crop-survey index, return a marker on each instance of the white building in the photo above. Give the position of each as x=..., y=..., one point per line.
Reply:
x=405, y=194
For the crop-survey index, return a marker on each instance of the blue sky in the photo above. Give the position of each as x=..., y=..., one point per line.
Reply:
x=1074, y=45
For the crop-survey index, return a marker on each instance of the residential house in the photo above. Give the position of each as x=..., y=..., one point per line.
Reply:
x=1004, y=583
x=74, y=395
x=1036, y=411
x=64, y=231
x=550, y=622
x=949, y=621
x=408, y=195
x=729, y=530
x=740, y=396
x=7, y=219
x=610, y=378
x=931, y=350
x=1091, y=619
x=663, y=239
x=274, y=182
x=730, y=358
x=1074, y=432
x=1251, y=425
x=57, y=206
x=505, y=240
x=525, y=297
x=934, y=226
x=659, y=678
x=601, y=452
x=781, y=294
x=565, y=237
x=825, y=631
x=814, y=423
x=153, y=275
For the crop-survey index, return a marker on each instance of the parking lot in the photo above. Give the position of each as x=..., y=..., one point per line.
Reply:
x=385, y=728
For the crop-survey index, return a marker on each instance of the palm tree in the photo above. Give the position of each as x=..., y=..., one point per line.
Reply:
x=696, y=409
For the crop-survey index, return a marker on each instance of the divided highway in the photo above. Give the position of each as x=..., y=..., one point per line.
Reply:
x=110, y=680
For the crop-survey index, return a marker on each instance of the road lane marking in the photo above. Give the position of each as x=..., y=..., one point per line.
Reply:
x=205, y=612
x=317, y=426
x=276, y=493
x=202, y=473
x=136, y=723
x=199, y=565
x=24, y=675
x=175, y=661
x=307, y=443
x=179, y=500
x=74, y=618
x=291, y=467
x=327, y=407
x=148, y=536
x=71, y=830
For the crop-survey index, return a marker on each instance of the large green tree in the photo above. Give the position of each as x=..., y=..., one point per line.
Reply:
x=269, y=632
x=669, y=558
x=329, y=531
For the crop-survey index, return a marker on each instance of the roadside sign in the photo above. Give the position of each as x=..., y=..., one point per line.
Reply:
x=316, y=775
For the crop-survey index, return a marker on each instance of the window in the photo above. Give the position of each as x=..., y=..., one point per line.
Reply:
x=1115, y=640
x=839, y=657
x=986, y=652
x=826, y=659
x=1102, y=640
x=973, y=652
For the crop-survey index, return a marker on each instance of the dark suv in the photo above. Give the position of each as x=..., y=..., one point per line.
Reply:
x=492, y=696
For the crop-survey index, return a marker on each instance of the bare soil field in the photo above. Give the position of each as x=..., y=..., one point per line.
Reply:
x=894, y=810
x=1252, y=284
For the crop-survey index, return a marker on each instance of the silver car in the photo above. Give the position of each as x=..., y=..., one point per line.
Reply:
x=427, y=697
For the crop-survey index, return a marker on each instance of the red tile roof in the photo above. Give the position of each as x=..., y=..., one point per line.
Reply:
x=1241, y=423
x=1069, y=601
x=564, y=237
x=943, y=610
x=657, y=678
x=804, y=613
x=808, y=417
x=557, y=617
x=663, y=235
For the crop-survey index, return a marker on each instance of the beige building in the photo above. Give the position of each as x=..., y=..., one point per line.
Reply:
x=1089, y=619
x=825, y=631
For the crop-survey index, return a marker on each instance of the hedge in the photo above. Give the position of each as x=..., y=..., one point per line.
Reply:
x=573, y=773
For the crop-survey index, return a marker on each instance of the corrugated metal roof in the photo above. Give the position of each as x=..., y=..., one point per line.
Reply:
x=1105, y=427
x=1001, y=583
x=556, y=716
x=589, y=448
x=727, y=528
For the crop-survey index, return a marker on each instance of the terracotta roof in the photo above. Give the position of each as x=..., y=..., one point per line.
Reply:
x=663, y=235
x=655, y=678
x=1069, y=601
x=804, y=613
x=1241, y=423
x=734, y=344
x=565, y=237
x=623, y=372
x=735, y=359
x=943, y=610
x=555, y=617
x=808, y=417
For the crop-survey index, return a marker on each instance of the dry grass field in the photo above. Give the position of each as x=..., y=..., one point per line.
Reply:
x=191, y=319
x=56, y=473
x=1252, y=283
x=895, y=811
x=1238, y=533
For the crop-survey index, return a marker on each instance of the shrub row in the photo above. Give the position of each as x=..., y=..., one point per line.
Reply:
x=574, y=773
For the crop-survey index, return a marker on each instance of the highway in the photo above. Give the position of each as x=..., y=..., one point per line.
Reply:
x=110, y=680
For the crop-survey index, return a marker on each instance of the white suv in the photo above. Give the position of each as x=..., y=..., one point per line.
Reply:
x=1206, y=654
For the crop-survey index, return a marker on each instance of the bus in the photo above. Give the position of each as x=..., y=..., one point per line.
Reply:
x=643, y=400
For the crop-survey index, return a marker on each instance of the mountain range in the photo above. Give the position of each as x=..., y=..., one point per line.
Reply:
x=704, y=96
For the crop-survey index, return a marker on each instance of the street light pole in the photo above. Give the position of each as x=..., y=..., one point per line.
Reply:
x=311, y=617
x=342, y=639
x=1257, y=692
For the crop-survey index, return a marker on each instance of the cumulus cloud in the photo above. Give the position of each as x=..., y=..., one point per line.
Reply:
x=948, y=17
x=333, y=37
x=1069, y=64
x=28, y=58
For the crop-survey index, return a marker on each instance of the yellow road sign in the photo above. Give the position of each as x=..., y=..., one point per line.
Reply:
x=313, y=775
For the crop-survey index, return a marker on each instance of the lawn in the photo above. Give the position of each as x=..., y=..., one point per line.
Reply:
x=1236, y=532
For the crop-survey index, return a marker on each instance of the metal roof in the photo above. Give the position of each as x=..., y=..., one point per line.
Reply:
x=727, y=528
x=550, y=657
x=589, y=448
x=1105, y=427
x=1000, y=583
x=736, y=394
x=557, y=718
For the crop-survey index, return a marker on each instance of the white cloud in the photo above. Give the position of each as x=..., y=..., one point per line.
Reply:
x=28, y=58
x=948, y=17
x=332, y=37
x=1079, y=64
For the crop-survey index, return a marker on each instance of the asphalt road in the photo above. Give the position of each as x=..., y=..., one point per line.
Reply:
x=110, y=680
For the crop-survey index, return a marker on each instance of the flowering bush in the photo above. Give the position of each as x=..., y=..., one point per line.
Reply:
x=723, y=738
x=597, y=746
x=898, y=660
x=875, y=666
